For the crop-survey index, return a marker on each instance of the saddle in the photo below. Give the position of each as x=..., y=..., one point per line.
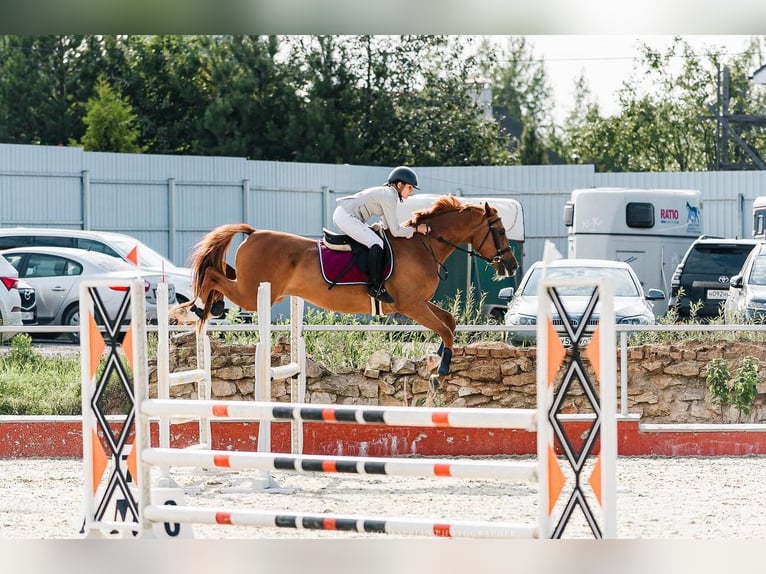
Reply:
x=343, y=260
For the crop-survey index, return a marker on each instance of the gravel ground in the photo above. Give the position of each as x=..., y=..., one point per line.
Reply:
x=714, y=498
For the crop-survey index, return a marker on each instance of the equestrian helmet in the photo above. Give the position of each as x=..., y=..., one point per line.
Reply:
x=405, y=174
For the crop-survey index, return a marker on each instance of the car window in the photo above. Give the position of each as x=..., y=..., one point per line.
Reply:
x=43, y=265
x=758, y=271
x=11, y=241
x=717, y=259
x=72, y=268
x=98, y=246
x=624, y=286
x=14, y=260
x=53, y=241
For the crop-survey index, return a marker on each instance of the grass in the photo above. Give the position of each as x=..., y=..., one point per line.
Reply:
x=31, y=384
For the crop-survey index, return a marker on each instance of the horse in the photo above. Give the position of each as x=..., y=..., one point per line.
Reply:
x=291, y=264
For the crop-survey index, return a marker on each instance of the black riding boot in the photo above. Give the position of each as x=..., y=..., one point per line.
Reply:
x=375, y=270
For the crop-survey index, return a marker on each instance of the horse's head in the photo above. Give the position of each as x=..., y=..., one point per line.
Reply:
x=455, y=222
x=497, y=252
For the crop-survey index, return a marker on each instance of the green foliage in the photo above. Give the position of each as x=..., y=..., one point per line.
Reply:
x=739, y=390
x=111, y=123
x=718, y=377
x=744, y=385
x=31, y=384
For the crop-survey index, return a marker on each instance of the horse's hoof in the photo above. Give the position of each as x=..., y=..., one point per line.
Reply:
x=434, y=381
x=217, y=309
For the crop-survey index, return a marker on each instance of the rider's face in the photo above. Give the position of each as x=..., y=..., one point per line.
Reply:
x=406, y=190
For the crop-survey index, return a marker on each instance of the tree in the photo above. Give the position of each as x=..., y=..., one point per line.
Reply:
x=665, y=119
x=40, y=87
x=111, y=123
x=531, y=149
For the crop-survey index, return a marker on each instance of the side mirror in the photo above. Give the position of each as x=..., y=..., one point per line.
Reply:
x=736, y=282
x=506, y=293
x=655, y=294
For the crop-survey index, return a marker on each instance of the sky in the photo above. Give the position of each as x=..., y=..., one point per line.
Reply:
x=606, y=61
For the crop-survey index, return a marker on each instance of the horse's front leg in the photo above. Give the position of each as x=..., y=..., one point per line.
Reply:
x=433, y=318
x=445, y=351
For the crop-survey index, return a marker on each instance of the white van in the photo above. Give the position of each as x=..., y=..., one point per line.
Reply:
x=651, y=229
x=759, y=217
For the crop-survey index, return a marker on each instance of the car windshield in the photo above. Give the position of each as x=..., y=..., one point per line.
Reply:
x=624, y=286
x=147, y=257
x=717, y=259
x=758, y=272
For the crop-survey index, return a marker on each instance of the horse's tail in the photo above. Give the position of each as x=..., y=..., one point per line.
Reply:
x=211, y=252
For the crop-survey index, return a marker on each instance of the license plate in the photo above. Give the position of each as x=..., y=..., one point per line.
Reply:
x=566, y=342
x=717, y=293
x=27, y=315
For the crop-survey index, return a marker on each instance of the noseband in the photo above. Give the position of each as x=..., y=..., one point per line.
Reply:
x=496, y=235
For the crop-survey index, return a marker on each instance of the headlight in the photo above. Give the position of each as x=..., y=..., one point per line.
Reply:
x=518, y=319
x=636, y=320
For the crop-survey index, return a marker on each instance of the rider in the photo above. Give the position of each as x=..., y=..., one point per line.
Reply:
x=352, y=214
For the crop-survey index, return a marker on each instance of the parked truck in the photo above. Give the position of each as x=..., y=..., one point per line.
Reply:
x=650, y=229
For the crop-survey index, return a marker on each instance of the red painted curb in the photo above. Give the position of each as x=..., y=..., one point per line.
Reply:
x=32, y=437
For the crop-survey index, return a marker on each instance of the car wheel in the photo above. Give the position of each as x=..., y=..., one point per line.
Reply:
x=71, y=318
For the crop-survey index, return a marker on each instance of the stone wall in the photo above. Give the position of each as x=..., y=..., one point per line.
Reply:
x=666, y=382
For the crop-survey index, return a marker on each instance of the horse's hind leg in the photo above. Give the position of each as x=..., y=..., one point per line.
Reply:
x=214, y=281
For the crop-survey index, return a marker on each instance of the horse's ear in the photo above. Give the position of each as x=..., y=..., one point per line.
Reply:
x=487, y=209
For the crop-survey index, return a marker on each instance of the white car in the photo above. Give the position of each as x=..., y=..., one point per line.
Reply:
x=119, y=245
x=56, y=273
x=631, y=305
x=10, y=299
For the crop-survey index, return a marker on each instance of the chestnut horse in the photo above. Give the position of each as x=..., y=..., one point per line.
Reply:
x=291, y=264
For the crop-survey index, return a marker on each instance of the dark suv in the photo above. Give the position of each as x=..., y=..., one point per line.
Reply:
x=702, y=277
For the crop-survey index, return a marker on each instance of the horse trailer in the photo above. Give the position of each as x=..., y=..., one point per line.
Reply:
x=650, y=229
x=759, y=217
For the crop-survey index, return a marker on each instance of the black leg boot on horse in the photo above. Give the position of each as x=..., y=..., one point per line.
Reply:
x=375, y=269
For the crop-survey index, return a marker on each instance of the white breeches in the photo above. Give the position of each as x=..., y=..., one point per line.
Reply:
x=355, y=228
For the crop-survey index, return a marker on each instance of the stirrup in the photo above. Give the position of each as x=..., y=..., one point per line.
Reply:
x=380, y=294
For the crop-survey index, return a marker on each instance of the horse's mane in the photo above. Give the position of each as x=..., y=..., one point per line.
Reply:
x=443, y=204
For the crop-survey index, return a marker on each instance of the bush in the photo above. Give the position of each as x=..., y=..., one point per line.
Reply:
x=739, y=390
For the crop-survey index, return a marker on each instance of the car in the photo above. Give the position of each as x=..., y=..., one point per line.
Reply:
x=746, y=301
x=118, y=245
x=631, y=305
x=56, y=273
x=699, y=286
x=17, y=308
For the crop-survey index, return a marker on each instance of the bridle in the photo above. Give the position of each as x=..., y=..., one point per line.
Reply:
x=497, y=234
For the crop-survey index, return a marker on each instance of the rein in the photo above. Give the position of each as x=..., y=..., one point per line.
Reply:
x=496, y=233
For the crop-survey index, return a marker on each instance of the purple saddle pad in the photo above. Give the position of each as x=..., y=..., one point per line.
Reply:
x=334, y=263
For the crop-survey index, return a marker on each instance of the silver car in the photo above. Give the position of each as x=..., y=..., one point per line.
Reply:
x=631, y=305
x=746, y=300
x=56, y=273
